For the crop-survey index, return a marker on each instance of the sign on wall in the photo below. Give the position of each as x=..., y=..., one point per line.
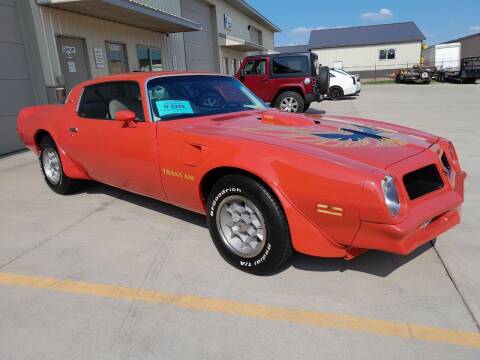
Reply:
x=227, y=22
x=99, y=59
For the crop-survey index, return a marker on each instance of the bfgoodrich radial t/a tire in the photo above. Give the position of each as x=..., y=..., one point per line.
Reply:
x=247, y=225
x=52, y=169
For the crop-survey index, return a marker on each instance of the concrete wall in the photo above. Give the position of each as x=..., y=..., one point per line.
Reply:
x=16, y=86
x=365, y=58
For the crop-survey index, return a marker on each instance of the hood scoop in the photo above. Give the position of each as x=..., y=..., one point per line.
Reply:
x=285, y=119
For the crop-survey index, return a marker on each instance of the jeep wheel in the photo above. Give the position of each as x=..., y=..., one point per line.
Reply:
x=52, y=169
x=290, y=101
x=247, y=225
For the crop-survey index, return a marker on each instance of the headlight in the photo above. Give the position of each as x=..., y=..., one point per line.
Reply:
x=390, y=194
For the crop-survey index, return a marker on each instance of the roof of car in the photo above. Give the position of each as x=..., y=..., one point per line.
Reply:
x=365, y=35
x=142, y=76
x=292, y=48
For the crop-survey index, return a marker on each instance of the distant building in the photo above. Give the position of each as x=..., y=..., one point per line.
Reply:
x=469, y=45
x=374, y=50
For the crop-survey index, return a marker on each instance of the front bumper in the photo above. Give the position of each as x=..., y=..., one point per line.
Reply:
x=425, y=221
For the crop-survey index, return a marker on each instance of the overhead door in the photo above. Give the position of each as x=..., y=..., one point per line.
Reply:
x=15, y=83
x=201, y=47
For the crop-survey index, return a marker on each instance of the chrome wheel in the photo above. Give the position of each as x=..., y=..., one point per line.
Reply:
x=241, y=226
x=289, y=104
x=51, y=165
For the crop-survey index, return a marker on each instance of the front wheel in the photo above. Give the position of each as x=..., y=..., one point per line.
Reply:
x=52, y=170
x=247, y=225
x=290, y=101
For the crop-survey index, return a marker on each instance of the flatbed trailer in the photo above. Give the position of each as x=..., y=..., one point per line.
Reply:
x=468, y=72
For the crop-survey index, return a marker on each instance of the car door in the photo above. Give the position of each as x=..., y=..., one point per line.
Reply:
x=115, y=152
x=255, y=77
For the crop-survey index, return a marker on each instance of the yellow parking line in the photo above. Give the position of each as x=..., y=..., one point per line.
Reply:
x=312, y=318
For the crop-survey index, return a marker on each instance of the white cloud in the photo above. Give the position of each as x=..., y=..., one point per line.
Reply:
x=474, y=28
x=380, y=15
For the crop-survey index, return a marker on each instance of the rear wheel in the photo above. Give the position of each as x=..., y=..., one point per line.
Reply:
x=247, y=225
x=290, y=101
x=335, y=93
x=52, y=170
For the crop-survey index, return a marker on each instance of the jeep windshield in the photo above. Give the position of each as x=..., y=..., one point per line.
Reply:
x=186, y=96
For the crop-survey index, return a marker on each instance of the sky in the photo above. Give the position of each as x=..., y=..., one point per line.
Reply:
x=439, y=20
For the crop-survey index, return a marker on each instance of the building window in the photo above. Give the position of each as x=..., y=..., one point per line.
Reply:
x=235, y=66
x=117, y=57
x=226, y=69
x=149, y=58
x=255, y=35
x=386, y=54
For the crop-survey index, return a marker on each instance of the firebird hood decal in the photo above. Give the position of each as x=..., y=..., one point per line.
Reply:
x=354, y=135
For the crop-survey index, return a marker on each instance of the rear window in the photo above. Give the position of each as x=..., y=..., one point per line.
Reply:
x=290, y=65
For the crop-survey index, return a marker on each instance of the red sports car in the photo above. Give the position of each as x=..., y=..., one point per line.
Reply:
x=269, y=182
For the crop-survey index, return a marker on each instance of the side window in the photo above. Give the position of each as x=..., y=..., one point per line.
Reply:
x=386, y=54
x=290, y=65
x=102, y=101
x=391, y=54
x=255, y=67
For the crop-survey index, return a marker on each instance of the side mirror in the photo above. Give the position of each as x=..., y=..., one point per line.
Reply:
x=125, y=116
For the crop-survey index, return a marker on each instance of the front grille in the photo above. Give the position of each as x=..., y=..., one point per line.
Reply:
x=422, y=181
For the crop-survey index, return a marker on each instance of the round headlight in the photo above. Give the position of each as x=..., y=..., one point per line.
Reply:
x=390, y=194
x=307, y=81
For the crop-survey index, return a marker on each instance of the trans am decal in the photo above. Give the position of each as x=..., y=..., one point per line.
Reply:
x=351, y=136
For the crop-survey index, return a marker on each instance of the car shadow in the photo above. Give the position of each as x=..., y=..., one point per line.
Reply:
x=152, y=204
x=315, y=111
x=373, y=262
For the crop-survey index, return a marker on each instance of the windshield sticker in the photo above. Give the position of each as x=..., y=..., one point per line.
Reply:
x=169, y=107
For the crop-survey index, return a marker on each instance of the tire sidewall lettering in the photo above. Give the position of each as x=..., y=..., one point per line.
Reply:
x=221, y=194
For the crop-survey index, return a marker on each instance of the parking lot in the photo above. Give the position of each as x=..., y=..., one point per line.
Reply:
x=106, y=274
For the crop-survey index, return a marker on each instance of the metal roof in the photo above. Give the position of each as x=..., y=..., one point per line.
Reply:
x=460, y=38
x=292, y=48
x=127, y=12
x=366, y=35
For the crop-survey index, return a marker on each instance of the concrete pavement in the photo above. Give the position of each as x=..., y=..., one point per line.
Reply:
x=111, y=237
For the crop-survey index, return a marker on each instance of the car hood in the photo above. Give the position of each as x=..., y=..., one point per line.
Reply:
x=374, y=143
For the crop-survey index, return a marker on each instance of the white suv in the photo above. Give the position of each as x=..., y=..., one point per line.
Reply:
x=343, y=84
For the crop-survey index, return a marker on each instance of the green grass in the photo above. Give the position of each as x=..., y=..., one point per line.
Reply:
x=378, y=82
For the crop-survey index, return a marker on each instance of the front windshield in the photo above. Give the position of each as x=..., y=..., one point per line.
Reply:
x=185, y=96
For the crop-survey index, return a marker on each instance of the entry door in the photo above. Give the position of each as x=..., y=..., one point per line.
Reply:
x=72, y=54
x=113, y=152
x=255, y=78
x=117, y=58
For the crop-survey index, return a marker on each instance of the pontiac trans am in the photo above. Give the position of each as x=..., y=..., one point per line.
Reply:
x=269, y=182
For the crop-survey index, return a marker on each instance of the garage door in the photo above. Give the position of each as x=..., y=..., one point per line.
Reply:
x=201, y=47
x=15, y=83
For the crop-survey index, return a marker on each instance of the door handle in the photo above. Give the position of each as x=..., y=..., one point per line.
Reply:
x=73, y=129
